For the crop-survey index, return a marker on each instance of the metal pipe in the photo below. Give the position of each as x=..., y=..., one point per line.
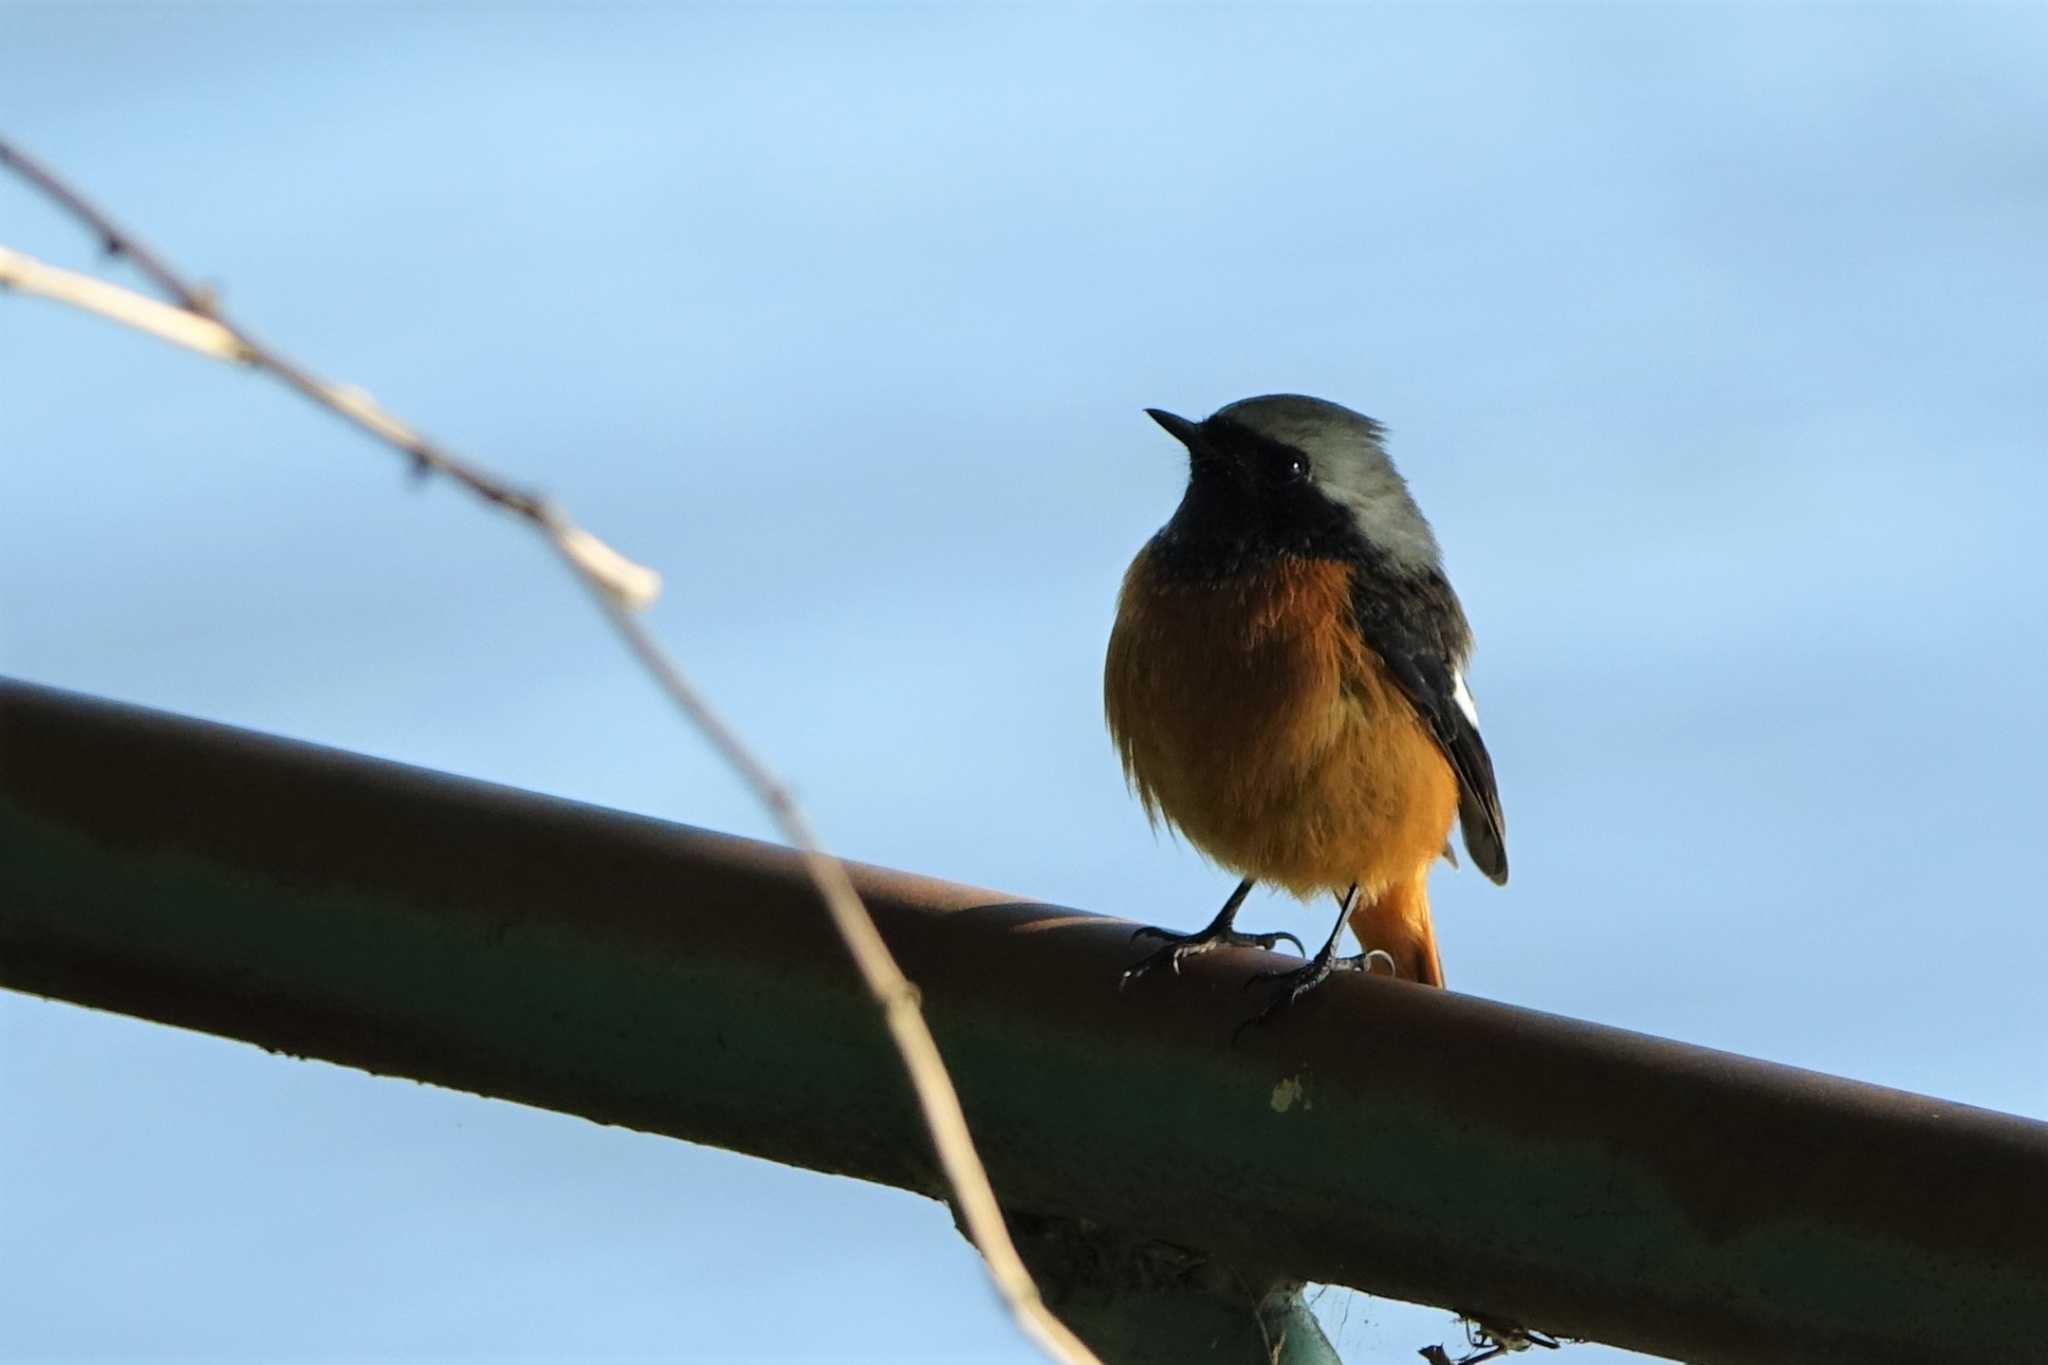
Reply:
x=1408, y=1142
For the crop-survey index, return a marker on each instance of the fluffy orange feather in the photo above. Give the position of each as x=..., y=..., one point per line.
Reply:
x=1276, y=742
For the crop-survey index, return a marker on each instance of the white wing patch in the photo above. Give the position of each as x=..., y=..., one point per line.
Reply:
x=1462, y=695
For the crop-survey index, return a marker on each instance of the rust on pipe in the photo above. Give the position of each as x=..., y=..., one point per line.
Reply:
x=1419, y=1144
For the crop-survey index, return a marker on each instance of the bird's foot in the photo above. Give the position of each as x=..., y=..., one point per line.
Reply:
x=1290, y=986
x=1179, y=946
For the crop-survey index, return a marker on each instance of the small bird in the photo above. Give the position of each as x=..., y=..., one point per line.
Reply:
x=1285, y=683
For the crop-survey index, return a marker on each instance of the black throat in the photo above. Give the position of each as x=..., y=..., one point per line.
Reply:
x=1233, y=521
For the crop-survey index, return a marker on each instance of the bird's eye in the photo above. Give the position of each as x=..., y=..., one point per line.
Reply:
x=1297, y=466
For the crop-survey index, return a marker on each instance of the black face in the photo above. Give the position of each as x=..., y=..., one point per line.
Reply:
x=1250, y=499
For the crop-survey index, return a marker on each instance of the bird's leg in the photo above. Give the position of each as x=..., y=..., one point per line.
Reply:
x=1218, y=933
x=1301, y=980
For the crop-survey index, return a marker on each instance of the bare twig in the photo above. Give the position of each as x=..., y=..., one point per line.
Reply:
x=112, y=240
x=164, y=321
x=620, y=586
x=633, y=584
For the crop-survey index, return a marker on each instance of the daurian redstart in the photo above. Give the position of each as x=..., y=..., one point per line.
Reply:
x=1286, y=684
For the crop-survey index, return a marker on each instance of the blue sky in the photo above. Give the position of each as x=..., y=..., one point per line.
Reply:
x=1709, y=339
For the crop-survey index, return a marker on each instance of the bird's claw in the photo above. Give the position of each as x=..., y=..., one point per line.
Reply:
x=1315, y=971
x=1230, y=938
x=1299, y=981
x=1179, y=946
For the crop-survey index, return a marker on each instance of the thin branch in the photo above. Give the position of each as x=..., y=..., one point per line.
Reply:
x=633, y=584
x=164, y=321
x=973, y=1196
x=113, y=240
x=620, y=586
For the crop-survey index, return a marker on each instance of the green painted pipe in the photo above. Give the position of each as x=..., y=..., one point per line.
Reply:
x=1414, y=1143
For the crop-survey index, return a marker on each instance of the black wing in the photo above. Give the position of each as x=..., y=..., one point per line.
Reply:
x=1418, y=628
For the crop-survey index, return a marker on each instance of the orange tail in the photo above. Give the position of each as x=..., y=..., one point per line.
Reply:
x=1398, y=924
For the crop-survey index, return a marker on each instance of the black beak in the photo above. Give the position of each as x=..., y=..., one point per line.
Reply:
x=1181, y=429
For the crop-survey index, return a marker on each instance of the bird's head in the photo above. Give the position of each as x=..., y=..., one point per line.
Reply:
x=1287, y=474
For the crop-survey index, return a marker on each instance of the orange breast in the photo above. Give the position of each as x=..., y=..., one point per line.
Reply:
x=1251, y=716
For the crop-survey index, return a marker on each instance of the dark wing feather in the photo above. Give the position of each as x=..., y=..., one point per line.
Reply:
x=1417, y=627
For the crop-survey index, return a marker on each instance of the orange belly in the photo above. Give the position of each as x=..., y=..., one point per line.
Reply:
x=1251, y=717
